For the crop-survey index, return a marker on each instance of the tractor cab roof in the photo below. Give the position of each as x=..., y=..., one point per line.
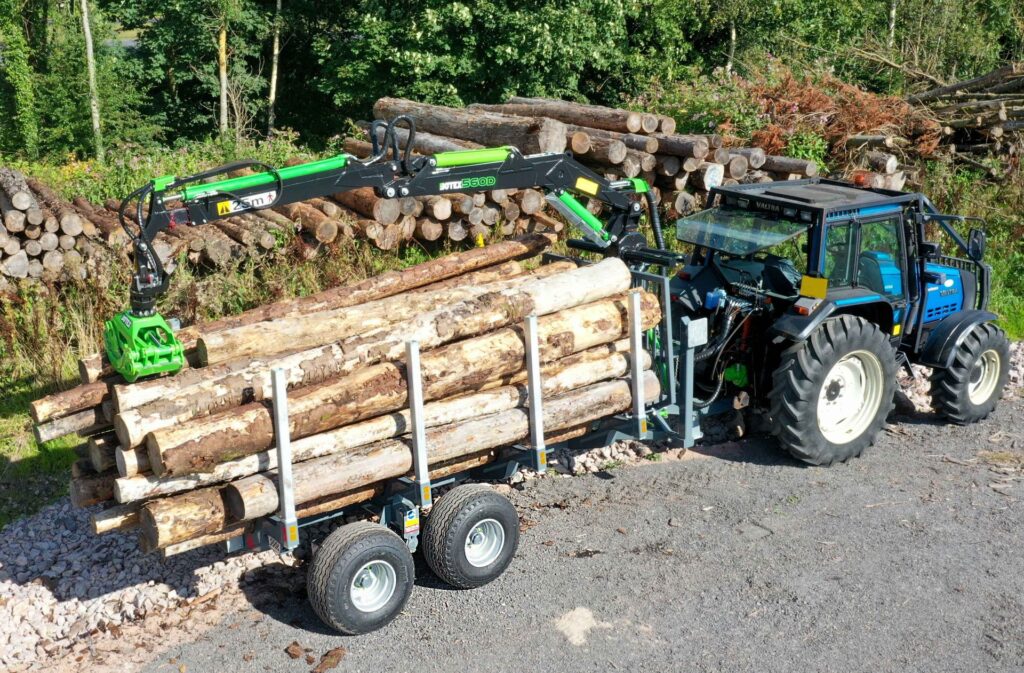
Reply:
x=813, y=199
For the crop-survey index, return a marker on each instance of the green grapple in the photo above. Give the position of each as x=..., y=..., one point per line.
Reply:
x=139, y=346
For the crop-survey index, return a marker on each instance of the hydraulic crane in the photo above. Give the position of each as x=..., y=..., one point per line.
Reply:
x=139, y=341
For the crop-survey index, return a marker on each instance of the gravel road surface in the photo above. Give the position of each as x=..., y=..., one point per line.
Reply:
x=730, y=558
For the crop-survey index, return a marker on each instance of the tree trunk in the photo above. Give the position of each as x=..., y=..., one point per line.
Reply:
x=18, y=193
x=426, y=143
x=131, y=462
x=736, y=165
x=528, y=134
x=222, y=71
x=883, y=162
x=70, y=401
x=167, y=521
x=86, y=422
x=321, y=227
x=732, y=48
x=368, y=204
x=240, y=381
x=790, y=165
x=92, y=489
x=379, y=389
x=275, y=53
x=117, y=517
x=590, y=366
x=606, y=151
x=70, y=222
x=94, y=95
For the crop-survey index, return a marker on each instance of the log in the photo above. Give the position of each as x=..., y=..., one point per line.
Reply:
x=101, y=451
x=71, y=401
x=590, y=366
x=682, y=145
x=70, y=222
x=15, y=266
x=131, y=462
x=882, y=162
x=17, y=190
x=116, y=517
x=35, y=268
x=247, y=380
x=256, y=496
x=12, y=247
x=666, y=125
x=632, y=141
x=170, y=520
x=579, y=142
x=531, y=201
x=14, y=220
x=755, y=156
x=53, y=261
x=708, y=175
x=86, y=422
x=378, y=389
x=33, y=232
x=323, y=228
x=791, y=165
x=594, y=116
x=736, y=166
x=428, y=229
x=529, y=135
x=48, y=241
x=368, y=204
x=683, y=203
x=667, y=165
x=438, y=207
x=92, y=489
x=456, y=230
x=606, y=151
x=858, y=141
x=547, y=222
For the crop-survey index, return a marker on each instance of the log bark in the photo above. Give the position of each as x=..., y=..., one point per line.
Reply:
x=246, y=380
x=131, y=462
x=528, y=134
x=70, y=222
x=70, y=401
x=590, y=366
x=883, y=162
x=379, y=389
x=632, y=141
x=708, y=175
x=117, y=517
x=93, y=488
x=606, y=151
x=322, y=228
x=667, y=165
x=101, y=451
x=87, y=422
x=427, y=143
x=594, y=116
x=256, y=496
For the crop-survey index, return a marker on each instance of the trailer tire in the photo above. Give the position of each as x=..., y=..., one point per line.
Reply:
x=360, y=578
x=832, y=393
x=969, y=389
x=470, y=536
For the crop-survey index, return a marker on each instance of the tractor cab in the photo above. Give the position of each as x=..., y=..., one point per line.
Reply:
x=777, y=267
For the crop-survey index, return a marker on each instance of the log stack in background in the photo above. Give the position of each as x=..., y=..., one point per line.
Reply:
x=188, y=459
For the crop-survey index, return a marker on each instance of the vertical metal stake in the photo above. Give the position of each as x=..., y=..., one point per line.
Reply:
x=414, y=378
x=667, y=347
x=540, y=462
x=636, y=362
x=285, y=486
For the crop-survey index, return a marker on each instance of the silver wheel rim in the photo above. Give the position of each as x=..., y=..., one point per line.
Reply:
x=373, y=586
x=484, y=543
x=984, y=377
x=850, y=397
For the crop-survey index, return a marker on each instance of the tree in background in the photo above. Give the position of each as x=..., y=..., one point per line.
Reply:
x=94, y=94
x=17, y=84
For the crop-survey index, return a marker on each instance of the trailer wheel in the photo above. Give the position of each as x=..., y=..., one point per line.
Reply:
x=969, y=389
x=360, y=578
x=832, y=393
x=470, y=536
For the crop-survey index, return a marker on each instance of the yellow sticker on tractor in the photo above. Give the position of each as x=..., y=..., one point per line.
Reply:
x=587, y=186
x=813, y=287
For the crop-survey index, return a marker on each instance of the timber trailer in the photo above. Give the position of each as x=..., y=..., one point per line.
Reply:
x=801, y=297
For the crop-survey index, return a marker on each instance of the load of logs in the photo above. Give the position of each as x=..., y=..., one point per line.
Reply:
x=188, y=460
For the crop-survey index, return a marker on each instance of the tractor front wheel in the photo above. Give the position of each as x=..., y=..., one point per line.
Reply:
x=968, y=390
x=832, y=393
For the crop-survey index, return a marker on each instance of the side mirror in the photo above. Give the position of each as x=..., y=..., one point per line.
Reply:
x=976, y=244
x=928, y=249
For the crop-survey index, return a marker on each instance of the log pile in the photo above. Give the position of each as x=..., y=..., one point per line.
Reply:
x=982, y=116
x=188, y=459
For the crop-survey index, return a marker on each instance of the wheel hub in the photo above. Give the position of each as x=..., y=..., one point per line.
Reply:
x=373, y=586
x=984, y=377
x=850, y=397
x=484, y=543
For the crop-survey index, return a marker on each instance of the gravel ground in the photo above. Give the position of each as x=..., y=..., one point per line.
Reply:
x=907, y=556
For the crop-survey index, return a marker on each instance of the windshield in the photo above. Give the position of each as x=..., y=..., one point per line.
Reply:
x=736, y=232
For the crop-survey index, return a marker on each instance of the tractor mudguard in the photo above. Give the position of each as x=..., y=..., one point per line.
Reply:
x=946, y=337
x=795, y=327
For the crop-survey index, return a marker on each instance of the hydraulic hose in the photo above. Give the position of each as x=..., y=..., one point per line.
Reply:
x=720, y=341
x=652, y=208
x=704, y=404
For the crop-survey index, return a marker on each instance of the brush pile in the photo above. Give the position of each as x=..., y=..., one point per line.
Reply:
x=188, y=459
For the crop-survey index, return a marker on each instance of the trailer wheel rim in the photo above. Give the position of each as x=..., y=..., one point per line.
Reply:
x=373, y=585
x=484, y=543
x=850, y=397
x=984, y=377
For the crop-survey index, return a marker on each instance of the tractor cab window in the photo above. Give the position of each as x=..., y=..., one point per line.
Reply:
x=880, y=266
x=840, y=244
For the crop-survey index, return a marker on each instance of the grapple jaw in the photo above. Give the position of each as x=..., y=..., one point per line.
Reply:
x=139, y=346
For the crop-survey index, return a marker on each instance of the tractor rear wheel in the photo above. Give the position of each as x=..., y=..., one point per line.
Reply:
x=969, y=389
x=832, y=393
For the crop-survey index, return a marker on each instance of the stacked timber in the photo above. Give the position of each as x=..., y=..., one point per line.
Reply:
x=188, y=459
x=982, y=116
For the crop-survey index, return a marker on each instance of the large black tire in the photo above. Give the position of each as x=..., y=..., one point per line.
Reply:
x=970, y=388
x=337, y=567
x=465, y=511
x=808, y=381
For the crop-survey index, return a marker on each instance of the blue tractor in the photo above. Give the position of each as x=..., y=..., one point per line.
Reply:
x=817, y=292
